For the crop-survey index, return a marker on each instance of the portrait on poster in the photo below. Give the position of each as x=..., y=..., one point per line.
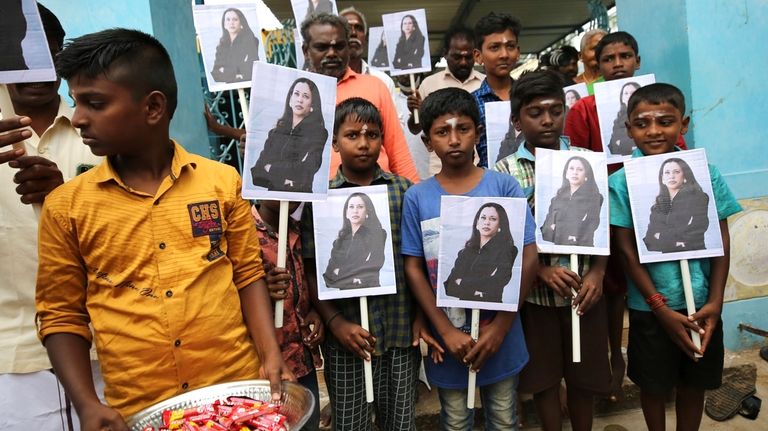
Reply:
x=288, y=139
x=574, y=93
x=673, y=208
x=24, y=52
x=407, y=42
x=353, y=243
x=377, y=48
x=572, y=202
x=480, y=252
x=502, y=138
x=230, y=41
x=611, y=98
x=304, y=8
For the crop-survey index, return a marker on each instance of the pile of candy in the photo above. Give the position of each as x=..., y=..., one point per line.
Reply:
x=231, y=414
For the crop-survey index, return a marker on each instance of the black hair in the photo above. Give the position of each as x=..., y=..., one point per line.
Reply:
x=246, y=29
x=316, y=113
x=131, y=58
x=460, y=32
x=51, y=25
x=322, y=19
x=533, y=84
x=663, y=202
x=356, y=109
x=563, y=56
x=589, y=186
x=447, y=101
x=656, y=94
x=503, y=235
x=495, y=23
x=371, y=222
x=616, y=37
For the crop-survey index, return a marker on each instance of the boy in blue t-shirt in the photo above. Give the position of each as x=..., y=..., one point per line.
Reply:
x=661, y=354
x=450, y=121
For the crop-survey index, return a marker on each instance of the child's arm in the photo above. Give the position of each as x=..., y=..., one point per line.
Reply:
x=257, y=313
x=492, y=335
x=457, y=342
x=591, y=285
x=676, y=325
x=278, y=282
x=70, y=357
x=351, y=335
x=709, y=314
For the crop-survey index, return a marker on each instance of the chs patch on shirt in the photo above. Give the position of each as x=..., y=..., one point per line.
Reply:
x=205, y=218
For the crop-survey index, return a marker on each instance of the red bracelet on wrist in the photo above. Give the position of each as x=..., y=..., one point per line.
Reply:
x=656, y=301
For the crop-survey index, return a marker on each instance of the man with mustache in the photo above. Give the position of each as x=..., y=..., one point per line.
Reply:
x=326, y=45
x=458, y=46
x=358, y=41
x=53, y=152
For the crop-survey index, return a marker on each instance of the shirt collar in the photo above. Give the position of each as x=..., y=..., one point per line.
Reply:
x=475, y=75
x=523, y=153
x=349, y=74
x=485, y=89
x=340, y=180
x=105, y=172
x=637, y=153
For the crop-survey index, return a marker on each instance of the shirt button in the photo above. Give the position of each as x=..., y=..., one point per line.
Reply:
x=157, y=202
x=41, y=150
x=177, y=343
x=168, y=293
x=162, y=246
x=184, y=386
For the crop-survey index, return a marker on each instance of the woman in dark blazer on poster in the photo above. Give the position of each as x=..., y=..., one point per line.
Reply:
x=293, y=151
x=357, y=255
x=620, y=143
x=679, y=217
x=484, y=266
x=574, y=211
x=237, y=50
x=14, y=31
x=410, y=47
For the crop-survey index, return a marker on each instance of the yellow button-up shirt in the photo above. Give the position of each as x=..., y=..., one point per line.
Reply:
x=157, y=276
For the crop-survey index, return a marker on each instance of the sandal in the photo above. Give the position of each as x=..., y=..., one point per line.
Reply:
x=723, y=403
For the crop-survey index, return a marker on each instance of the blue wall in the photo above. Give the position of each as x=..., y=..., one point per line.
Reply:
x=168, y=20
x=715, y=51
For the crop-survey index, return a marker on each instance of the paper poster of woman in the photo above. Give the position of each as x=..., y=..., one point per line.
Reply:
x=357, y=255
x=679, y=218
x=410, y=46
x=484, y=266
x=620, y=143
x=293, y=151
x=378, y=49
x=574, y=211
x=13, y=29
x=319, y=6
x=511, y=142
x=571, y=97
x=238, y=48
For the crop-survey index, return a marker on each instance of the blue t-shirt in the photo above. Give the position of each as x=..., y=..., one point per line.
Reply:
x=666, y=276
x=420, y=227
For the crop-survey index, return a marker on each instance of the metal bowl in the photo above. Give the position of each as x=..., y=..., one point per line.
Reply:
x=297, y=402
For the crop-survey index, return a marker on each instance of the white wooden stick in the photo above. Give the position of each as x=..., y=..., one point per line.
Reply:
x=243, y=104
x=282, y=248
x=6, y=106
x=415, y=111
x=367, y=365
x=690, y=304
x=575, y=318
x=474, y=332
